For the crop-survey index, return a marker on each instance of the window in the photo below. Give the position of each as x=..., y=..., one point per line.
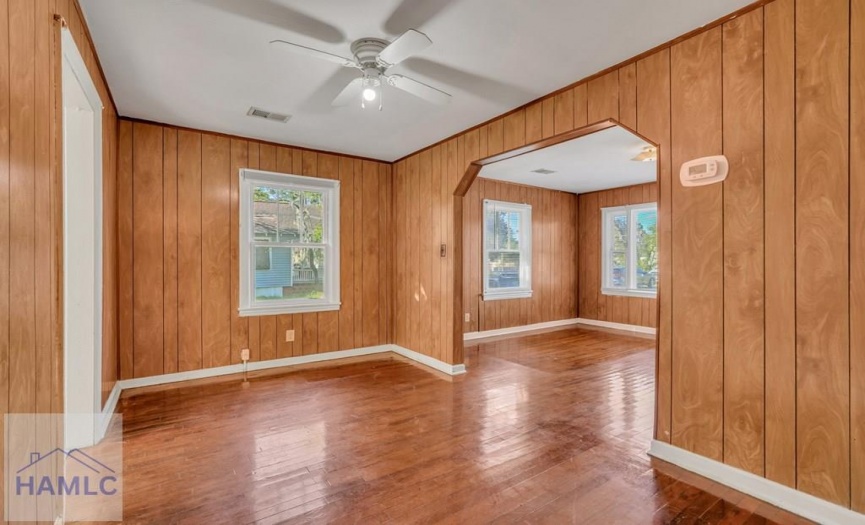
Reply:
x=630, y=250
x=289, y=244
x=507, y=250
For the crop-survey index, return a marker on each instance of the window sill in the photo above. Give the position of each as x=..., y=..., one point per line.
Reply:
x=500, y=296
x=283, y=309
x=630, y=293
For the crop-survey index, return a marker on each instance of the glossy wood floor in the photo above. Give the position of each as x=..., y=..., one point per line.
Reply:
x=548, y=428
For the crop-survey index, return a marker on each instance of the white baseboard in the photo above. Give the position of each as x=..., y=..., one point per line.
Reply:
x=471, y=336
x=126, y=384
x=781, y=496
x=618, y=326
x=108, y=411
x=441, y=366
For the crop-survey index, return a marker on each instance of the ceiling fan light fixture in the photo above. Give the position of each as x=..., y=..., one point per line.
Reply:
x=371, y=88
x=649, y=154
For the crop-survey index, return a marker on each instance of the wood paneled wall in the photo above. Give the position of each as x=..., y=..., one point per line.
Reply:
x=554, y=257
x=592, y=303
x=178, y=204
x=761, y=350
x=31, y=213
x=31, y=235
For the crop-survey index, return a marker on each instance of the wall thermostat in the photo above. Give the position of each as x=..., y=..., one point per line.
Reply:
x=707, y=170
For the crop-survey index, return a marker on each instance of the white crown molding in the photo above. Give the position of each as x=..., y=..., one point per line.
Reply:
x=781, y=496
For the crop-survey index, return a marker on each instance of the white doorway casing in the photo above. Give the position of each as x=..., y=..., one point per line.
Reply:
x=82, y=250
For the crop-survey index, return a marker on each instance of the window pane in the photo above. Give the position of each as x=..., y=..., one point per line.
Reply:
x=262, y=258
x=293, y=274
x=503, y=229
x=285, y=215
x=618, y=270
x=646, y=224
x=504, y=270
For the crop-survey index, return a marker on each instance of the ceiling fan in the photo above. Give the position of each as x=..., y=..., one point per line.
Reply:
x=374, y=56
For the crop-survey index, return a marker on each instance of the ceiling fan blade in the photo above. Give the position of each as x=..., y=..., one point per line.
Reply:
x=419, y=89
x=408, y=44
x=315, y=53
x=350, y=93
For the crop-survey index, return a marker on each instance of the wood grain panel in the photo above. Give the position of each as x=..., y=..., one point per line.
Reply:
x=125, y=249
x=626, y=310
x=653, y=120
x=148, y=270
x=534, y=123
x=857, y=254
x=215, y=250
x=743, y=244
x=697, y=251
x=239, y=159
x=581, y=106
x=780, y=213
x=22, y=195
x=563, y=112
x=628, y=95
x=254, y=323
x=206, y=213
x=822, y=249
x=553, y=247
x=603, y=94
x=189, y=346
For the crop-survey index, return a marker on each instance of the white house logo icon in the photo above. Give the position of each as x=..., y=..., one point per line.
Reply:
x=92, y=478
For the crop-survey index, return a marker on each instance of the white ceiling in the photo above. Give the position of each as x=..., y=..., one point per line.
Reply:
x=593, y=162
x=203, y=63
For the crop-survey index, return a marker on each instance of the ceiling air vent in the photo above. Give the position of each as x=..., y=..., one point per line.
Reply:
x=269, y=115
x=543, y=171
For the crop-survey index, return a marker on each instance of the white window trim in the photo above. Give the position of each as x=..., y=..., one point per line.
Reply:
x=631, y=290
x=331, y=301
x=522, y=292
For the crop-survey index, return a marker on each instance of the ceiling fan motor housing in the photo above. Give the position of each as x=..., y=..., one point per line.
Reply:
x=366, y=51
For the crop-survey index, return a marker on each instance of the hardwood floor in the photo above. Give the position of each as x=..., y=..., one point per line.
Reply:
x=548, y=428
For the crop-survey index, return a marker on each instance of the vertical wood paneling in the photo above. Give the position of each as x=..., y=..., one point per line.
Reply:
x=534, y=123
x=603, y=94
x=581, y=105
x=628, y=95
x=697, y=251
x=653, y=120
x=189, y=347
x=822, y=248
x=780, y=217
x=553, y=246
x=196, y=214
x=347, y=256
x=239, y=159
x=169, y=250
x=22, y=150
x=743, y=243
x=125, y=249
x=857, y=255
x=627, y=310
x=215, y=250
x=253, y=323
x=148, y=271
x=563, y=112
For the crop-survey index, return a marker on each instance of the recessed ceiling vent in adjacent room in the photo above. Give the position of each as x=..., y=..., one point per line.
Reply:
x=543, y=171
x=269, y=115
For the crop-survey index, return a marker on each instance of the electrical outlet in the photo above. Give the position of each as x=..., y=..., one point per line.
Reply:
x=468, y=317
x=289, y=336
x=244, y=354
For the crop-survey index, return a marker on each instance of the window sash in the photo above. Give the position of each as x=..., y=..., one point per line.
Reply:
x=249, y=303
x=630, y=285
x=524, y=211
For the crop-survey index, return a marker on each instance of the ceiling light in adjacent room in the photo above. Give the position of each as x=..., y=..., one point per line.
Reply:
x=649, y=154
